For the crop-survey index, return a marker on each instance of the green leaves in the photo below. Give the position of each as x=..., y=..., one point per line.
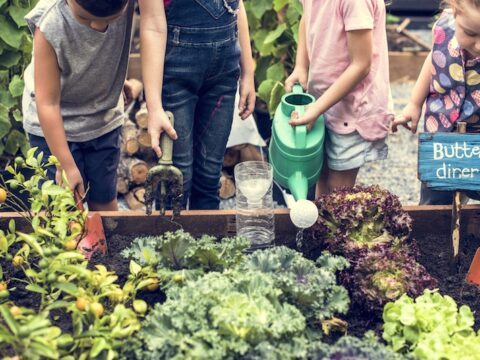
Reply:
x=15, y=54
x=431, y=327
x=274, y=31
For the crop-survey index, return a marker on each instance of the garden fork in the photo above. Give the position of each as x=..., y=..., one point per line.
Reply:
x=169, y=177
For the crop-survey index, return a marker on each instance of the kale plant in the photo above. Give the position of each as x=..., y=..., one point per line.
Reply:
x=352, y=348
x=309, y=286
x=222, y=316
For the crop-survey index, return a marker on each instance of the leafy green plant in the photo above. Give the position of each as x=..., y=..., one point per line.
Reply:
x=59, y=274
x=431, y=327
x=368, y=226
x=383, y=275
x=274, y=32
x=220, y=316
x=15, y=54
x=310, y=287
x=28, y=335
x=349, y=348
x=176, y=257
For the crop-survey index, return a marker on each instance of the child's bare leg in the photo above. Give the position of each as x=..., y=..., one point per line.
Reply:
x=110, y=206
x=322, y=182
x=337, y=179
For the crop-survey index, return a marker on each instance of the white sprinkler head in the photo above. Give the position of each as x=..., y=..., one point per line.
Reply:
x=303, y=213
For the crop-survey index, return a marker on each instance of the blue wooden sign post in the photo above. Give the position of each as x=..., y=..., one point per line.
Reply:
x=450, y=161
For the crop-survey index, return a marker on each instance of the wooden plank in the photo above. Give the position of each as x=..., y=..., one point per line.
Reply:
x=449, y=161
x=427, y=220
x=406, y=65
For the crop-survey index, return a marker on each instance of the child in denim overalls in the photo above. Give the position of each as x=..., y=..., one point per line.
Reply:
x=449, y=82
x=201, y=70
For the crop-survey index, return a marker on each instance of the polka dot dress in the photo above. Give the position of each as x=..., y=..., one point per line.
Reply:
x=455, y=86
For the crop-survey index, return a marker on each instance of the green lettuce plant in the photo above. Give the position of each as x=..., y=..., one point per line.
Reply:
x=431, y=327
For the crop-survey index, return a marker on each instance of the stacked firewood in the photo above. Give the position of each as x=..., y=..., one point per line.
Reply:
x=136, y=153
x=137, y=158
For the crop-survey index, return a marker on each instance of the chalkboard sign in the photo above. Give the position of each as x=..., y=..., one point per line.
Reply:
x=449, y=161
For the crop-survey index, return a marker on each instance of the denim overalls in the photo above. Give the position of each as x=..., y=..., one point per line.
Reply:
x=202, y=67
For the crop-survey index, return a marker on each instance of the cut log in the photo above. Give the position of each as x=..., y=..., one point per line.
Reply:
x=144, y=139
x=227, y=189
x=129, y=138
x=250, y=153
x=136, y=198
x=231, y=158
x=141, y=116
x=132, y=169
x=122, y=185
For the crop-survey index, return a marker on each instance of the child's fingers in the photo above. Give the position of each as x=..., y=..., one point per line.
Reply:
x=171, y=132
x=155, y=139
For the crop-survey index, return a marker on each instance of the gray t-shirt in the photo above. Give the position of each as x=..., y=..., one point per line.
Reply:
x=93, y=67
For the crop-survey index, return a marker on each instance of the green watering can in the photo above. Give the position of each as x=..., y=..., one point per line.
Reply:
x=296, y=154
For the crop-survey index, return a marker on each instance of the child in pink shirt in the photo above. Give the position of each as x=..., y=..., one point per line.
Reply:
x=342, y=59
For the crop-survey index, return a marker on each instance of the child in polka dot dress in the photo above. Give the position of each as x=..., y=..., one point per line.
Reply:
x=449, y=82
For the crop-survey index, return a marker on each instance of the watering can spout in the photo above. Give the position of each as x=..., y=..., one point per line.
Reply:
x=298, y=185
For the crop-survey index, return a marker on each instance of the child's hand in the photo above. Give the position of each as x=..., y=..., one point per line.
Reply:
x=158, y=122
x=127, y=93
x=411, y=114
x=247, y=97
x=308, y=118
x=74, y=178
x=297, y=76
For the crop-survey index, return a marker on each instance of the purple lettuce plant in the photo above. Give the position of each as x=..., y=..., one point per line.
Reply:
x=358, y=218
x=383, y=275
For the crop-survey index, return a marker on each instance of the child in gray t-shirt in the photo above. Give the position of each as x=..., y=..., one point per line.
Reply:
x=73, y=103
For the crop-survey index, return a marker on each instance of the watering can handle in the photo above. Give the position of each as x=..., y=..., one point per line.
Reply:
x=297, y=89
x=166, y=144
x=300, y=131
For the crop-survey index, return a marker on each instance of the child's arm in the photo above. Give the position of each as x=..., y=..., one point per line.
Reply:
x=360, y=49
x=300, y=72
x=153, y=38
x=247, y=85
x=413, y=110
x=47, y=95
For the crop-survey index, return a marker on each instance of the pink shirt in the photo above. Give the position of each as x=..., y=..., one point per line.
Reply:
x=366, y=108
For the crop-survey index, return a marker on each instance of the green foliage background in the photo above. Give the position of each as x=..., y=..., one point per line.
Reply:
x=15, y=54
x=274, y=33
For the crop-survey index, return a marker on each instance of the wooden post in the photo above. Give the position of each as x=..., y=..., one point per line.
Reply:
x=456, y=213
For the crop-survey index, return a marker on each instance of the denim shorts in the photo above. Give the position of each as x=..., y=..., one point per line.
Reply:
x=97, y=161
x=351, y=151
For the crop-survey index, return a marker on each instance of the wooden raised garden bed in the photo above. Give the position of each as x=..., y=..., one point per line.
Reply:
x=431, y=229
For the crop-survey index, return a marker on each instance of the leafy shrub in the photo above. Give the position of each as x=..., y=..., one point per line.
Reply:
x=431, y=327
x=383, y=275
x=368, y=226
x=310, y=287
x=15, y=54
x=358, y=218
x=274, y=32
x=221, y=316
x=351, y=348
